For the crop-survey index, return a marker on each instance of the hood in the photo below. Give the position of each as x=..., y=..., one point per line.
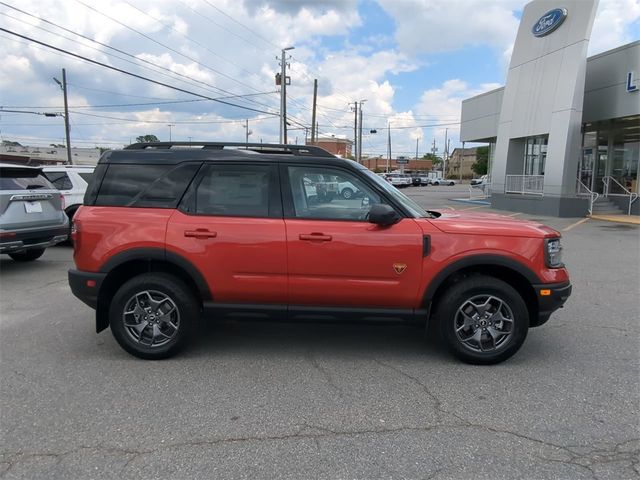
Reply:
x=471, y=223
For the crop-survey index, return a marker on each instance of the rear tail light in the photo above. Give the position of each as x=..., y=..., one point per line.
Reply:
x=62, y=202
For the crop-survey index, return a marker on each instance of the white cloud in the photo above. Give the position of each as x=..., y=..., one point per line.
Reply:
x=613, y=25
x=428, y=26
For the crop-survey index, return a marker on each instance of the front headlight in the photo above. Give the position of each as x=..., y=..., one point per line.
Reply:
x=553, y=253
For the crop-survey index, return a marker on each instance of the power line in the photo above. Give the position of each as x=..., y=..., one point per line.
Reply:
x=189, y=38
x=134, y=74
x=168, y=102
x=171, y=74
x=242, y=25
x=167, y=47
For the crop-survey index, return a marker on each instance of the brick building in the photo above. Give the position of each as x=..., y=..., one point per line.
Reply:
x=334, y=145
x=380, y=164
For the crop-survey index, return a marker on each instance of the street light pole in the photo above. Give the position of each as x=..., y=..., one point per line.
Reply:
x=170, y=125
x=63, y=86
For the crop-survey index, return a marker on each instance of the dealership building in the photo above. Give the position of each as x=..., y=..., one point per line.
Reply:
x=564, y=132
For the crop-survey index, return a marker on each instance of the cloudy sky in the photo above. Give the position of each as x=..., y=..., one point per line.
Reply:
x=413, y=61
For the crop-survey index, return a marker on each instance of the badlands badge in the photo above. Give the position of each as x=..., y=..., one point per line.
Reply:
x=399, y=267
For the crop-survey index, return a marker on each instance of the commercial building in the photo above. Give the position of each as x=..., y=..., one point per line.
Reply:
x=335, y=145
x=564, y=132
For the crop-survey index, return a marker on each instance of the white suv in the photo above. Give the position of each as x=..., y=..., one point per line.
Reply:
x=72, y=181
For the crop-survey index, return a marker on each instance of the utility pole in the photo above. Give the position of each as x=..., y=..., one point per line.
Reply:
x=444, y=154
x=417, y=139
x=313, y=111
x=461, y=159
x=389, y=148
x=355, y=131
x=359, y=159
x=170, y=125
x=63, y=86
x=247, y=131
x=283, y=95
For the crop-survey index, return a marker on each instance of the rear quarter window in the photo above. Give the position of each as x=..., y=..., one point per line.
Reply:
x=60, y=180
x=159, y=186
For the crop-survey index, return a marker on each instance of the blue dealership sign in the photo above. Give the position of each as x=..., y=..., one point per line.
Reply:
x=549, y=22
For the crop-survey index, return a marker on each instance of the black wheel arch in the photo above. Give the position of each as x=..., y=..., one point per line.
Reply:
x=511, y=271
x=126, y=265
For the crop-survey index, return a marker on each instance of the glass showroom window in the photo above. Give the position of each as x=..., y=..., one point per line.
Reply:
x=535, y=155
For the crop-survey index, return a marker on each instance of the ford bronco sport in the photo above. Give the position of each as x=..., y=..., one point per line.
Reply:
x=169, y=233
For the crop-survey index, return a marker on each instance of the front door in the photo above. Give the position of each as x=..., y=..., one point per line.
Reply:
x=335, y=256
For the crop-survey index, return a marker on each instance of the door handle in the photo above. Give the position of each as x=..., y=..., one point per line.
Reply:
x=200, y=233
x=315, y=237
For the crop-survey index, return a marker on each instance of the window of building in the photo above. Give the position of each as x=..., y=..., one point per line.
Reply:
x=535, y=155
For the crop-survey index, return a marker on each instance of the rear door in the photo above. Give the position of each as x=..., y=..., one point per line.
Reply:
x=335, y=256
x=28, y=200
x=230, y=226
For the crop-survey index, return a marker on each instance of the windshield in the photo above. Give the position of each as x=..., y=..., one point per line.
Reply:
x=415, y=209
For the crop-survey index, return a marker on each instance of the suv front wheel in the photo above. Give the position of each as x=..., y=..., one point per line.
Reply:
x=153, y=315
x=482, y=320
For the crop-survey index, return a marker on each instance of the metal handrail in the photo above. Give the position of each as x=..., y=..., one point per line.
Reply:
x=632, y=195
x=524, y=184
x=593, y=196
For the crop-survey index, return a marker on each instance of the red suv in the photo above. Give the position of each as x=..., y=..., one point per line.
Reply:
x=171, y=232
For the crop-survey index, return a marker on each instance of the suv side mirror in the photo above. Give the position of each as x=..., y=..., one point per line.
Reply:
x=383, y=215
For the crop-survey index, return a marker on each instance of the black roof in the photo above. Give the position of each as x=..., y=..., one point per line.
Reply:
x=179, y=152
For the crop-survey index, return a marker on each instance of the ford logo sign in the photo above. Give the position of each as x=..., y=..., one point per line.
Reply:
x=549, y=22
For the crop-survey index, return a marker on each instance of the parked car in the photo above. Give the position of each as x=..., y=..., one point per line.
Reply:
x=169, y=235
x=31, y=213
x=348, y=190
x=483, y=180
x=423, y=178
x=442, y=181
x=400, y=180
x=72, y=181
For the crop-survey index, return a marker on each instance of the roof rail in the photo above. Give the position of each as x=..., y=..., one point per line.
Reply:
x=272, y=148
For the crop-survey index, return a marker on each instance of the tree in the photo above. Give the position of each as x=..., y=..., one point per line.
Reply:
x=435, y=160
x=147, y=138
x=481, y=165
x=9, y=143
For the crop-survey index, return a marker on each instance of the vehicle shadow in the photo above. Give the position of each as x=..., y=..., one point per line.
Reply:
x=352, y=339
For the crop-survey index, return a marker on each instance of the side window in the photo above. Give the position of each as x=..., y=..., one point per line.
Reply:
x=60, y=180
x=330, y=194
x=157, y=186
x=234, y=190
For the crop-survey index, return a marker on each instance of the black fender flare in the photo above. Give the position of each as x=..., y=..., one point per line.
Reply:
x=480, y=260
x=162, y=255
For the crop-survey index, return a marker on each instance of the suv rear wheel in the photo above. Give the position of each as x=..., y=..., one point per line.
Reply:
x=482, y=320
x=153, y=315
x=27, y=255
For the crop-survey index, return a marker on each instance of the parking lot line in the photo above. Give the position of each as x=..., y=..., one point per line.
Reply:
x=514, y=214
x=579, y=222
x=474, y=208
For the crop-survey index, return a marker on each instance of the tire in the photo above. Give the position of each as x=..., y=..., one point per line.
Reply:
x=140, y=329
x=27, y=255
x=478, y=339
x=436, y=183
x=451, y=184
x=347, y=193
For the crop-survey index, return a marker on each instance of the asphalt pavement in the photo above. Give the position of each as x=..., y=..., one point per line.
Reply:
x=274, y=400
